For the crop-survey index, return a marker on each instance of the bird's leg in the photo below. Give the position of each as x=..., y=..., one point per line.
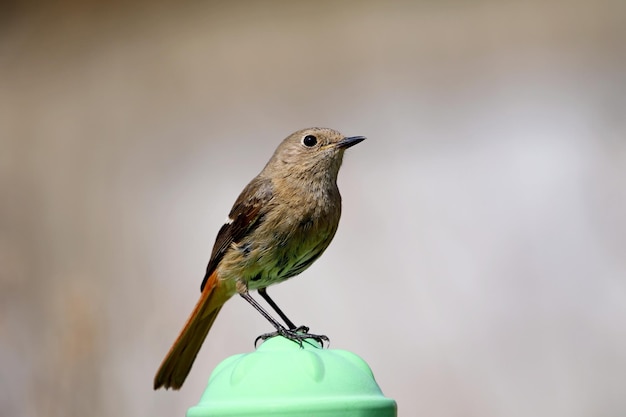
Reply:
x=298, y=335
x=246, y=296
x=266, y=297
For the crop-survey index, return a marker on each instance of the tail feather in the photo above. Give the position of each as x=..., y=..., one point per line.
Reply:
x=180, y=358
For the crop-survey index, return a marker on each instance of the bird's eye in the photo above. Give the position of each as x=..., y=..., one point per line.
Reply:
x=309, y=141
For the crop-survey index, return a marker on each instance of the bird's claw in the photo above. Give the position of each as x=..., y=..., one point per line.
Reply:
x=298, y=335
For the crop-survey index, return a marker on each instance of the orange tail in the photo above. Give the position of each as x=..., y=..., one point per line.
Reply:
x=177, y=363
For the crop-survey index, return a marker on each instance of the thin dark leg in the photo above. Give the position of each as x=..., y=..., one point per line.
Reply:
x=298, y=335
x=266, y=297
x=246, y=296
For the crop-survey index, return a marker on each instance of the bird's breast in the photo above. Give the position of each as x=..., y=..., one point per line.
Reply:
x=286, y=243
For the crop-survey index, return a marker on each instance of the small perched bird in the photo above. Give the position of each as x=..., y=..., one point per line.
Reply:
x=282, y=221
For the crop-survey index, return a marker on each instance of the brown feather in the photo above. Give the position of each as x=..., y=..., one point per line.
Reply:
x=180, y=358
x=246, y=215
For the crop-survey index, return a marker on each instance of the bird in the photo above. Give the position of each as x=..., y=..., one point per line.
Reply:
x=282, y=221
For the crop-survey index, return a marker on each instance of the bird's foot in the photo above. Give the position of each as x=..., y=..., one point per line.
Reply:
x=298, y=335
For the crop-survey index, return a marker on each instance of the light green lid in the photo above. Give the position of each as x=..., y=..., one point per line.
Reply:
x=282, y=379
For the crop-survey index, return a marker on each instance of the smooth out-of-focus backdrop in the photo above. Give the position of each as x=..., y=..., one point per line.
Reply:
x=480, y=265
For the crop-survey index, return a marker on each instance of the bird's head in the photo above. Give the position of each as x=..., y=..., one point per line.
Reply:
x=314, y=152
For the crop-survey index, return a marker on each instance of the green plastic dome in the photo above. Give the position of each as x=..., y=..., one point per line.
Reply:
x=283, y=379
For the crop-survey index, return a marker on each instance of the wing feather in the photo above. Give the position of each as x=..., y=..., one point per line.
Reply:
x=246, y=215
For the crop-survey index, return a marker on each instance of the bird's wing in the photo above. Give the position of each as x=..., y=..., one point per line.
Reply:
x=245, y=216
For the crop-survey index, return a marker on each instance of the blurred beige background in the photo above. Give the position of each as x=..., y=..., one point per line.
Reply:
x=480, y=265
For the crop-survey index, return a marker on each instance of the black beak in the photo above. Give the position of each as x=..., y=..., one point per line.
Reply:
x=345, y=143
